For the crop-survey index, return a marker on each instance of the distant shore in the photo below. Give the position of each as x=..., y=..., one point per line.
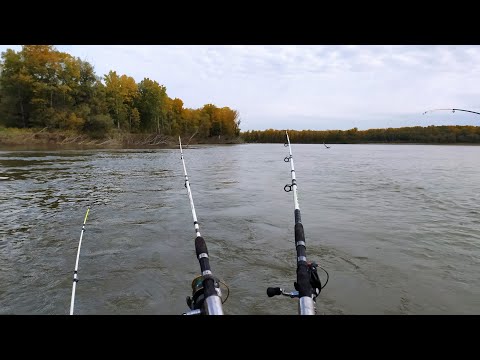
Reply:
x=44, y=139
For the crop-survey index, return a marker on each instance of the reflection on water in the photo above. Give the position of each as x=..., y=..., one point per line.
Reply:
x=397, y=228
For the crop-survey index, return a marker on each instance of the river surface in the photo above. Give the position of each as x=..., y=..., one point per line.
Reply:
x=397, y=227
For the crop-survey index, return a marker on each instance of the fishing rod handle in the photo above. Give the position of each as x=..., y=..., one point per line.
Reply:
x=303, y=277
x=213, y=302
x=306, y=306
x=213, y=305
x=202, y=255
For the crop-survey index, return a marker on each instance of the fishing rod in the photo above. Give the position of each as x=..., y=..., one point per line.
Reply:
x=75, y=272
x=308, y=285
x=206, y=295
x=452, y=110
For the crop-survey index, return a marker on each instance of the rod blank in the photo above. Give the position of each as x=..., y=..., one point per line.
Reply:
x=213, y=303
x=452, y=110
x=75, y=272
x=306, y=305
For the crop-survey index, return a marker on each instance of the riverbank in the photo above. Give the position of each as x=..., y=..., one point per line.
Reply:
x=33, y=139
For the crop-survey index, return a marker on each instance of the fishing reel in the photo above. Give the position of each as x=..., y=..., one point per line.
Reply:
x=314, y=279
x=196, y=301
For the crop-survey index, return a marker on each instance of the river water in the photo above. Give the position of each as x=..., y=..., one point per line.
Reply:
x=397, y=227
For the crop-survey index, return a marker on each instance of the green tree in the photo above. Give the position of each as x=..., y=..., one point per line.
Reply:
x=150, y=104
x=121, y=93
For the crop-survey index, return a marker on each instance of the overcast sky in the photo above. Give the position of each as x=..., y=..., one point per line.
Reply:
x=307, y=86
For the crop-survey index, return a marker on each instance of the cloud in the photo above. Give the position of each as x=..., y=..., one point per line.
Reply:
x=310, y=86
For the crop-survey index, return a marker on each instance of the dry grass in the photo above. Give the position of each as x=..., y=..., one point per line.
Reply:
x=116, y=139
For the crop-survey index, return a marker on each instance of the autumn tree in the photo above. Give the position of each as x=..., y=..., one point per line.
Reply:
x=122, y=92
x=43, y=87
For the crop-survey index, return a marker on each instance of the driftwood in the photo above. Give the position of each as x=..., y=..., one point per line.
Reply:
x=106, y=141
x=191, y=137
x=69, y=140
x=45, y=128
x=152, y=139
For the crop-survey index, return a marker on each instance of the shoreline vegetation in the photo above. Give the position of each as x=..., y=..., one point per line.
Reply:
x=444, y=134
x=61, y=100
x=51, y=99
x=44, y=138
x=15, y=138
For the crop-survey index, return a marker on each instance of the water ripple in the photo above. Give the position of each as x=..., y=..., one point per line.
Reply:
x=396, y=227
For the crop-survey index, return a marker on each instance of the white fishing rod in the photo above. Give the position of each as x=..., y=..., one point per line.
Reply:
x=75, y=273
x=452, y=110
x=206, y=295
x=308, y=283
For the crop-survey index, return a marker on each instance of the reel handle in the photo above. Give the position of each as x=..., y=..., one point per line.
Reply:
x=274, y=291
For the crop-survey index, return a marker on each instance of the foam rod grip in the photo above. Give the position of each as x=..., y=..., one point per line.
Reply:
x=200, y=246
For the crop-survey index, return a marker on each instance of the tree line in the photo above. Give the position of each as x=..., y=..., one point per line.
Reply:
x=41, y=87
x=414, y=134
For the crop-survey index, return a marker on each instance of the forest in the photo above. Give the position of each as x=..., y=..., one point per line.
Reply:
x=41, y=87
x=415, y=134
